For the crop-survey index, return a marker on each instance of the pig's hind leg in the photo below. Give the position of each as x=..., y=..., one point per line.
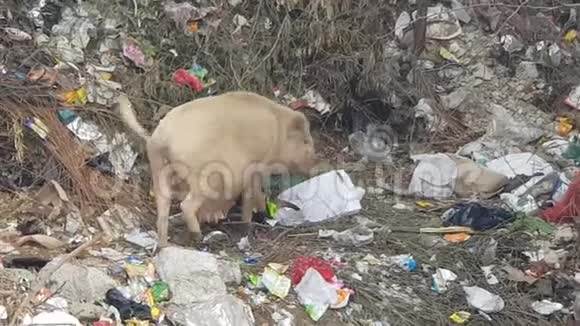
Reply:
x=161, y=188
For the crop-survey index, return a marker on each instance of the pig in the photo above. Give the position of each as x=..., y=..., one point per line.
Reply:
x=222, y=147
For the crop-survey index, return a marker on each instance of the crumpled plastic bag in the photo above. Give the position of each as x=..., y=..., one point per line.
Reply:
x=476, y=216
x=72, y=34
x=303, y=264
x=327, y=196
x=483, y=300
x=315, y=294
x=434, y=176
x=127, y=308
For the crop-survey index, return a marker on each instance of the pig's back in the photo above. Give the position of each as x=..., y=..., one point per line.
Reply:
x=214, y=128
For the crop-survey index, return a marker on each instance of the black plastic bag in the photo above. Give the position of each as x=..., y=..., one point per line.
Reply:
x=128, y=309
x=476, y=216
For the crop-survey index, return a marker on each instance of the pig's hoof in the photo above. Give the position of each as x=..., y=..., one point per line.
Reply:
x=196, y=237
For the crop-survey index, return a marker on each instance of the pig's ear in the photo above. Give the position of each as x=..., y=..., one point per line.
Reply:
x=297, y=126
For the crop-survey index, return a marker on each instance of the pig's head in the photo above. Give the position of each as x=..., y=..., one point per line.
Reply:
x=297, y=151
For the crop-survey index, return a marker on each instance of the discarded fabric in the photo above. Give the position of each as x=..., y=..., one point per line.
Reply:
x=476, y=216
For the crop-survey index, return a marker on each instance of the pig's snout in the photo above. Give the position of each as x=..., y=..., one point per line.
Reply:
x=309, y=160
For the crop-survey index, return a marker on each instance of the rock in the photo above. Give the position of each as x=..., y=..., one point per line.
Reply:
x=195, y=276
x=80, y=285
x=482, y=71
x=527, y=71
x=221, y=310
x=460, y=12
x=454, y=100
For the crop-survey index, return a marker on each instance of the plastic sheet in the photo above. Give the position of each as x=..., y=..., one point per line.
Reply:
x=324, y=197
x=434, y=176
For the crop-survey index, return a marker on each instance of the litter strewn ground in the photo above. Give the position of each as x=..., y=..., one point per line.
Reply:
x=451, y=129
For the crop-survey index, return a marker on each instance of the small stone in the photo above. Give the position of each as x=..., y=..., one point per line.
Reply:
x=527, y=71
x=482, y=72
x=454, y=100
x=460, y=12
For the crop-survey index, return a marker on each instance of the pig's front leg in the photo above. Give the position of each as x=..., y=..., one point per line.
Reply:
x=190, y=207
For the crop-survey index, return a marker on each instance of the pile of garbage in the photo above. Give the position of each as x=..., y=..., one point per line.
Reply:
x=474, y=117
